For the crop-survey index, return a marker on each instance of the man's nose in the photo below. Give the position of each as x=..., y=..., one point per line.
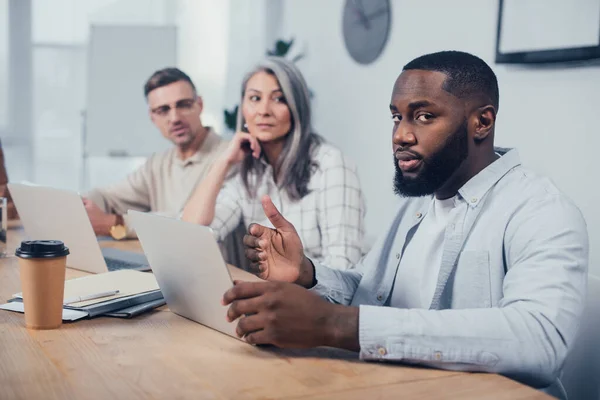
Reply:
x=404, y=135
x=174, y=115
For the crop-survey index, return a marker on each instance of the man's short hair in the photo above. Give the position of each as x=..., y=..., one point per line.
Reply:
x=164, y=77
x=468, y=76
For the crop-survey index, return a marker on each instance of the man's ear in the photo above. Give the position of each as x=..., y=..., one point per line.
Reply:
x=200, y=103
x=484, y=124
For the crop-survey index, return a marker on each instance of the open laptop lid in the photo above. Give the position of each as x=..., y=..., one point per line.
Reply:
x=188, y=267
x=57, y=214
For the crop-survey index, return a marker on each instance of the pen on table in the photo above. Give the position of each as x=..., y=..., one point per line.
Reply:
x=90, y=297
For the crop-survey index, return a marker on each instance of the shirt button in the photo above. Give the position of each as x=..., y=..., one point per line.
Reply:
x=382, y=351
x=418, y=215
x=379, y=297
x=397, y=256
x=474, y=200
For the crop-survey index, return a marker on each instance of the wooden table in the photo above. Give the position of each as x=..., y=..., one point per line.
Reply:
x=163, y=356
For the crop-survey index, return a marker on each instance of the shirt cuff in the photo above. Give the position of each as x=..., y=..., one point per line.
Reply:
x=373, y=330
x=328, y=285
x=396, y=334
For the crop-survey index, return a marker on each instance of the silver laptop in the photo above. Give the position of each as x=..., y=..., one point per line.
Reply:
x=49, y=213
x=188, y=267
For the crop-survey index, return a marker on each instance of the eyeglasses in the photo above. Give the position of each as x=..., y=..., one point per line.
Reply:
x=184, y=106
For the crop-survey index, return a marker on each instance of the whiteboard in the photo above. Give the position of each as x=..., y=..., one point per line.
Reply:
x=121, y=59
x=535, y=25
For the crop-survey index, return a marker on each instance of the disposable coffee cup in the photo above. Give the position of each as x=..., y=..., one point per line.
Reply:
x=42, y=265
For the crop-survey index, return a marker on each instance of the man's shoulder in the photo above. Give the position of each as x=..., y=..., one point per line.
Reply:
x=533, y=209
x=530, y=184
x=529, y=192
x=221, y=144
x=160, y=158
x=215, y=144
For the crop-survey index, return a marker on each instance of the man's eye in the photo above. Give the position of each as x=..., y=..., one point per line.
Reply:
x=424, y=117
x=185, y=104
x=396, y=118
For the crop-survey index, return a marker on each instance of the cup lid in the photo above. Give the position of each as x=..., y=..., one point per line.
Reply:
x=42, y=249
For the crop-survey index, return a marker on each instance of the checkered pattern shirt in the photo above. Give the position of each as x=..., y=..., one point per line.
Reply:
x=329, y=220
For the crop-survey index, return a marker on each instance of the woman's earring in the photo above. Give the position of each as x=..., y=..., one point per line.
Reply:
x=245, y=125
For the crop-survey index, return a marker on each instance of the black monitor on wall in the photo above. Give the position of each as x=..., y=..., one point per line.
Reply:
x=547, y=31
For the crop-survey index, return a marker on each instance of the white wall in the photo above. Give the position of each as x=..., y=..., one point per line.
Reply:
x=3, y=65
x=218, y=42
x=547, y=113
x=17, y=138
x=246, y=43
x=67, y=22
x=203, y=31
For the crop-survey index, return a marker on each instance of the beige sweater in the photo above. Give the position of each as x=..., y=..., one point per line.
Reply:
x=163, y=184
x=11, y=210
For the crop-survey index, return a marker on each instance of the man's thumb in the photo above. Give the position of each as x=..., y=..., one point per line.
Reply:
x=275, y=216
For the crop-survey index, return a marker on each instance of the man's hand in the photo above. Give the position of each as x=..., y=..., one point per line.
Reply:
x=101, y=221
x=277, y=254
x=289, y=316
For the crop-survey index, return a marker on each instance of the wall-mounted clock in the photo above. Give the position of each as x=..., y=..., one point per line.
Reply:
x=366, y=27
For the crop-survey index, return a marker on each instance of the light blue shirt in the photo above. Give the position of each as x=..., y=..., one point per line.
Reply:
x=511, y=284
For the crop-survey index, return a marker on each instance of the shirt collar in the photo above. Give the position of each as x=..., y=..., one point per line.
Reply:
x=474, y=190
x=211, y=141
x=262, y=159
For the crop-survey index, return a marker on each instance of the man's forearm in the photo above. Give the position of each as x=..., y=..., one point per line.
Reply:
x=102, y=226
x=342, y=328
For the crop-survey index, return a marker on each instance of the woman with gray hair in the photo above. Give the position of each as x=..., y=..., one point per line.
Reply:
x=277, y=154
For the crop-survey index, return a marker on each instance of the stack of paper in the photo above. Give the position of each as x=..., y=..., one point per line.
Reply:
x=136, y=292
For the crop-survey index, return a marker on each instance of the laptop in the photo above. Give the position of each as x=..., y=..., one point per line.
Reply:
x=57, y=214
x=188, y=266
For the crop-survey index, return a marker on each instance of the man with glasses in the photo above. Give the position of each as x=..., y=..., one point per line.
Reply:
x=164, y=183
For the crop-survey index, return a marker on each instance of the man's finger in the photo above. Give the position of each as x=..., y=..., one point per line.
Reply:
x=239, y=308
x=249, y=324
x=251, y=254
x=250, y=240
x=275, y=216
x=255, y=268
x=257, y=230
x=258, y=337
x=245, y=290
